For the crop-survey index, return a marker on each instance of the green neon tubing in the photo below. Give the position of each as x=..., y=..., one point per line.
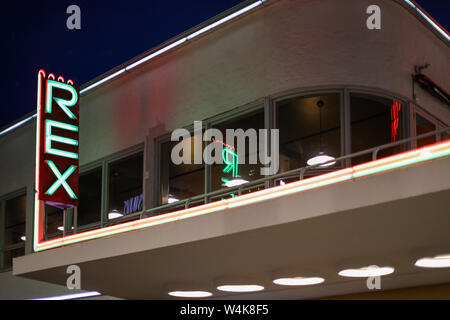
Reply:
x=61, y=179
x=49, y=137
x=231, y=166
x=63, y=103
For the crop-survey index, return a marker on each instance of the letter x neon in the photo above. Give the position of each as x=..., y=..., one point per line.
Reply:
x=61, y=179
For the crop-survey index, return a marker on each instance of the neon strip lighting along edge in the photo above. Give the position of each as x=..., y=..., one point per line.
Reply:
x=438, y=150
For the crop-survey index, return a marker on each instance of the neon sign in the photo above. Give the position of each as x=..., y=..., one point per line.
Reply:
x=57, y=139
x=395, y=118
x=230, y=158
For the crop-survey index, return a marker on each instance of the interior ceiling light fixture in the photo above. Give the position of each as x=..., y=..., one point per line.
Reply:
x=237, y=181
x=365, y=272
x=440, y=261
x=172, y=199
x=190, y=294
x=61, y=228
x=298, y=281
x=114, y=214
x=240, y=288
x=321, y=159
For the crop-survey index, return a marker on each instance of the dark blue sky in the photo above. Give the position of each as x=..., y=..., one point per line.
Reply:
x=34, y=36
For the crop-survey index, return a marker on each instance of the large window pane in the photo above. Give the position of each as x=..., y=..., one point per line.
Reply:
x=15, y=217
x=244, y=164
x=125, y=185
x=90, y=191
x=309, y=126
x=424, y=126
x=182, y=181
x=374, y=121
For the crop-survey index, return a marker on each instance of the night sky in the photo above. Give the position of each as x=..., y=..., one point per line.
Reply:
x=34, y=36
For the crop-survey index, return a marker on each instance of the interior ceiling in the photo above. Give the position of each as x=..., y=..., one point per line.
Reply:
x=394, y=233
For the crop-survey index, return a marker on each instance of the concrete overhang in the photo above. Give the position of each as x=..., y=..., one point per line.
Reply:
x=391, y=218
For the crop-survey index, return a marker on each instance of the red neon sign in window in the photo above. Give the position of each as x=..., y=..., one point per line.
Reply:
x=395, y=118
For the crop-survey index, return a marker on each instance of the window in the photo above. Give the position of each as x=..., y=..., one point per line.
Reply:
x=125, y=185
x=374, y=121
x=309, y=126
x=90, y=197
x=14, y=238
x=238, y=164
x=182, y=181
x=54, y=221
x=15, y=213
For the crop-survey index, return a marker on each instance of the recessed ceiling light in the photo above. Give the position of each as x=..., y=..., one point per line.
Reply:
x=365, y=272
x=190, y=294
x=72, y=296
x=440, y=261
x=23, y=238
x=240, y=288
x=298, y=281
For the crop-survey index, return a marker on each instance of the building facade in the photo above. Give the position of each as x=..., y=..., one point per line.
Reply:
x=146, y=226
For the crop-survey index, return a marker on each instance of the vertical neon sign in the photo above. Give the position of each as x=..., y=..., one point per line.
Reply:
x=395, y=118
x=231, y=164
x=57, y=136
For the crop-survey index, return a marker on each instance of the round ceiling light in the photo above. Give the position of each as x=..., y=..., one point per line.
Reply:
x=440, y=261
x=365, y=272
x=235, y=182
x=190, y=294
x=298, y=281
x=321, y=160
x=240, y=288
x=114, y=214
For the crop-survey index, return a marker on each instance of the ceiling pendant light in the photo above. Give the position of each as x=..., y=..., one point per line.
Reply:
x=321, y=159
x=114, y=214
x=172, y=199
x=236, y=181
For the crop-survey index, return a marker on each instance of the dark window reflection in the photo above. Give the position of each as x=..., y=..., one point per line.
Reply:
x=309, y=126
x=178, y=182
x=374, y=121
x=15, y=216
x=125, y=185
x=55, y=220
x=424, y=126
x=90, y=190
